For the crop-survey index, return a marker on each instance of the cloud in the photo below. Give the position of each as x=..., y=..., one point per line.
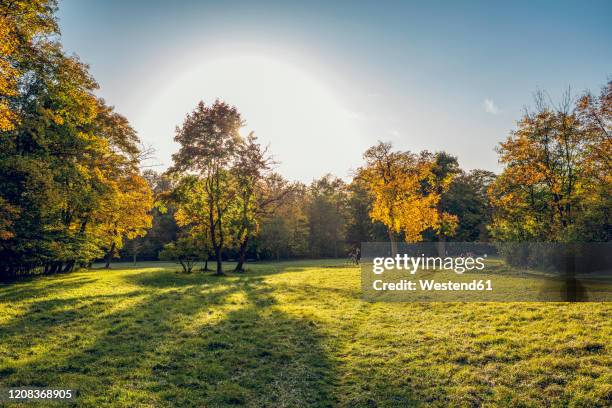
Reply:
x=490, y=107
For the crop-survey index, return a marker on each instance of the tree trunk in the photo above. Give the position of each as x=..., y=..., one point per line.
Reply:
x=242, y=254
x=219, y=261
x=206, y=264
x=441, y=246
x=393, y=243
x=109, y=255
x=55, y=268
x=68, y=267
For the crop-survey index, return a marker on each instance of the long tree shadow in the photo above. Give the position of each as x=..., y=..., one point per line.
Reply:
x=179, y=341
x=256, y=356
x=40, y=286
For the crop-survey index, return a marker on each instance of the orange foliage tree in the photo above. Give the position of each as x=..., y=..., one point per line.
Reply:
x=405, y=192
x=556, y=183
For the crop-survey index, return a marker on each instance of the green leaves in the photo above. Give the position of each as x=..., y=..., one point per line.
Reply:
x=69, y=178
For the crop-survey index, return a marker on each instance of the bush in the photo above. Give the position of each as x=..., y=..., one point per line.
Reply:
x=185, y=251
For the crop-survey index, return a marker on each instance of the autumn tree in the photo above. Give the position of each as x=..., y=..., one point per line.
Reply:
x=595, y=114
x=190, y=200
x=405, y=191
x=127, y=216
x=209, y=138
x=61, y=156
x=556, y=183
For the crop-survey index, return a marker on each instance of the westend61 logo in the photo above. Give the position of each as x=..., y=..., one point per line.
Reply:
x=481, y=272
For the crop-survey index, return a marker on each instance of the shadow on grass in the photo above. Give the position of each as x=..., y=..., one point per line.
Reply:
x=183, y=340
x=176, y=278
x=40, y=286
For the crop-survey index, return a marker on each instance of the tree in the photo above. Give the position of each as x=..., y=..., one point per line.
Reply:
x=467, y=199
x=189, y=197
x=556, y=182
x=128, y=215
x=326, y=211
x=360, y=228
x=444, y=170
x=209, y=138
x=595, y=114
x=405, y=192
x=163, y=225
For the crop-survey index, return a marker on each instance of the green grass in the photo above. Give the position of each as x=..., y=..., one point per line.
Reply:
x=293, y=334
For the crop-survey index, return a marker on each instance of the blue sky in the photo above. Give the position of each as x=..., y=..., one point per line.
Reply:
x=322, y=81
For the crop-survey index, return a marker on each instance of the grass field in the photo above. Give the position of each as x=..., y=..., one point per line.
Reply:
x=292, y=335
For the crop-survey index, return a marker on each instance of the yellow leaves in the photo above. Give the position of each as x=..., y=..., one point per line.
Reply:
x=7, y=117
x=8, y=76
x=57, y=119
x=181, y=217
x=396, y=183
x=417, y=214
x=557, y=169
x=448, y=224
x=125, y=211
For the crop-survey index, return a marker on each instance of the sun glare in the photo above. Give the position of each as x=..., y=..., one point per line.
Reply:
x=285, y=106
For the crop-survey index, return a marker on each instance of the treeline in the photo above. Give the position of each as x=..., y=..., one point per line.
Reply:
x=71, y=190
x=222, y=199
x=327, y=218
x=70, y=185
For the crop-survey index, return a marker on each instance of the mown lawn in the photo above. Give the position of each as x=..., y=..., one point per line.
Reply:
x=293, y=334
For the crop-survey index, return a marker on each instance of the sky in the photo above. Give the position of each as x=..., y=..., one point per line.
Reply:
x=320, y=82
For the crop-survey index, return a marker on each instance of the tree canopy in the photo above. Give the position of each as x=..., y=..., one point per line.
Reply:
x=70, y=185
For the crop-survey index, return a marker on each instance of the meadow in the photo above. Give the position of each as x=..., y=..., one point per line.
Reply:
x=292, y=334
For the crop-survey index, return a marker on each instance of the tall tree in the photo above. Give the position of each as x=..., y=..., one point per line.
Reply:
x=209, y=138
